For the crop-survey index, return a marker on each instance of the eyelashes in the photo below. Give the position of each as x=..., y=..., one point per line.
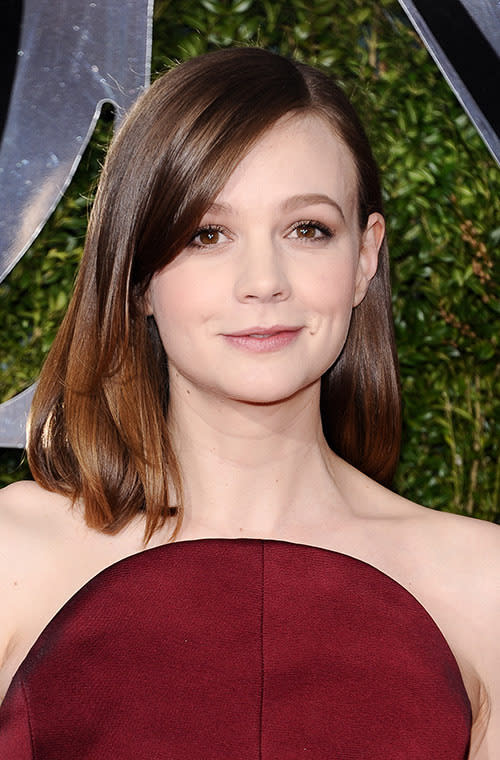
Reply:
x=305, y=231
x=207, y=236
x=308, y=230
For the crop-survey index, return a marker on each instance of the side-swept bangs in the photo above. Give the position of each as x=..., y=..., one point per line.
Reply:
x=98, y=429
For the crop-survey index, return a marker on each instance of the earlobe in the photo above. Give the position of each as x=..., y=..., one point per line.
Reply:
x=371, y=241
x=148, y=303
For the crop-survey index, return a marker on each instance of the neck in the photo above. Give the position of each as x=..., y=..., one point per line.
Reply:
x=252, y=469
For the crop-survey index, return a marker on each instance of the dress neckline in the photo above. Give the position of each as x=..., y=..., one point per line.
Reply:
x=265, y=542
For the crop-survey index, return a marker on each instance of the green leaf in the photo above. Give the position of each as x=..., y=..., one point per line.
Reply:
x=241, y=6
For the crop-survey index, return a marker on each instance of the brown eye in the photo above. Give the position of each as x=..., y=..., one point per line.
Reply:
x=306, y=231
x=208, y=237
x=311, y=231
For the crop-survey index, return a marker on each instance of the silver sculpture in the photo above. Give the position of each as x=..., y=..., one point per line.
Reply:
x=73, y=57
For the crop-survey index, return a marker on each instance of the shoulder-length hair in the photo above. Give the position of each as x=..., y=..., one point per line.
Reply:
x=98, y=429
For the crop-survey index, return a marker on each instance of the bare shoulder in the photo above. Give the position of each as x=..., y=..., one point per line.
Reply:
x=465, y=547
x=468, y=544
x=473, y=543
x=458, y=581
x=27, y=500
x=470, y=549
x=30, y=520
x=465, y=553
x=38, y=532
x=47, y=553
x=458, y=551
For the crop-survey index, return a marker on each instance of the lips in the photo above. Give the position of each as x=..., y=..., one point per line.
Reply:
x=262, y=332
x=261, y=339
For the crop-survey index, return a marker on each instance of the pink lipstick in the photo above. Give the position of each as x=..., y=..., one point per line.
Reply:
x=263, y=339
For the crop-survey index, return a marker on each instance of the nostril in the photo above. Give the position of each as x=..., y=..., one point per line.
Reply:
x=257, y=297
x=257, y=282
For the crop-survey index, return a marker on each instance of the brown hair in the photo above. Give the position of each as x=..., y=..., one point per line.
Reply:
x=98, y=428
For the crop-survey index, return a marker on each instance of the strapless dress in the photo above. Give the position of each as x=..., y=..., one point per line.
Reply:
x=238, y=649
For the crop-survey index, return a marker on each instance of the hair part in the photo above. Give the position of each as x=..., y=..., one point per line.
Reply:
x=98, y=428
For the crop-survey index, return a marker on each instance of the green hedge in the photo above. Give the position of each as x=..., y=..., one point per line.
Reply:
x=441, y=187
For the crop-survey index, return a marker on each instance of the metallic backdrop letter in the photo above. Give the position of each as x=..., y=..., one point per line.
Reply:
x=74, y=55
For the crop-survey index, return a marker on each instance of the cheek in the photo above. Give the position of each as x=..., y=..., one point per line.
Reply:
x=330, y=287
x=168, y=304
x=180, y=301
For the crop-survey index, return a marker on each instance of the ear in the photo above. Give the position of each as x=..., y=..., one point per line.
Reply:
x=148, y=303
x=371, y=240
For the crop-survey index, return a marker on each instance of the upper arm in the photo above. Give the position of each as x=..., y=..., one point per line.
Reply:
x=9, y=581
x=485, y=744
x=21, y=539
x=485, y=645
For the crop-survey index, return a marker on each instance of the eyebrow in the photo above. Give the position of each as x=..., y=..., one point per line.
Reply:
x=219, y=208
x=311, y=199
x=290, y=204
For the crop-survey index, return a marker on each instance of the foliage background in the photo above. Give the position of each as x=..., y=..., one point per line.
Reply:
x=441, y=187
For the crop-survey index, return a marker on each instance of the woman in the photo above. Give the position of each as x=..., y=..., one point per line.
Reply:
x=226, y=370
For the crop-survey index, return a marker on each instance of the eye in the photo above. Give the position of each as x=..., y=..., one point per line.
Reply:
x=208, y=236
x=310, y=231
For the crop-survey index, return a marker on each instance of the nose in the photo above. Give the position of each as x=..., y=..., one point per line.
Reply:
x=262, y=273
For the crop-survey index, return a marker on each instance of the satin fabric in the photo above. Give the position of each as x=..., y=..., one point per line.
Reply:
x=238, y=648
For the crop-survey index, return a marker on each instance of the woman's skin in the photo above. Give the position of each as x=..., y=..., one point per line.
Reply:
x=251, y=314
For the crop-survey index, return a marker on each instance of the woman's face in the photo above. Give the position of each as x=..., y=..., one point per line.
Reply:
x=258, y=305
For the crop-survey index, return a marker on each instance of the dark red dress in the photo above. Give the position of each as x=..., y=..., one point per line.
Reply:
x=240, y=650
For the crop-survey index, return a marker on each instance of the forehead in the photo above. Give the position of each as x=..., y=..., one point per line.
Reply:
x=297, y=155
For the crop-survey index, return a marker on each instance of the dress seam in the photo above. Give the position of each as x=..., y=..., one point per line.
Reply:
x=28, y=718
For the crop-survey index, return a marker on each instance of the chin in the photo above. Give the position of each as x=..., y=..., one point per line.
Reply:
x=264, y=394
